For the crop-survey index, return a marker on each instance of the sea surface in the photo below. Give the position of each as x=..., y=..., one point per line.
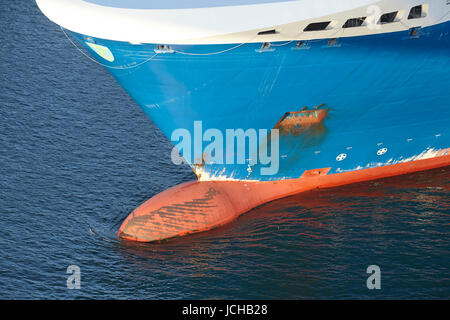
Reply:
x=77, y=155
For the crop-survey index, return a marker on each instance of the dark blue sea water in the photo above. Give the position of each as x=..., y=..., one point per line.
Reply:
x=77, y=155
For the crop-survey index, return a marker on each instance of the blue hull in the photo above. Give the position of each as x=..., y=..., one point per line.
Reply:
x=388, y=96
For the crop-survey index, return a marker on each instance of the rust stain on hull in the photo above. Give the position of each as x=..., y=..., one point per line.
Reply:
x=297, y=122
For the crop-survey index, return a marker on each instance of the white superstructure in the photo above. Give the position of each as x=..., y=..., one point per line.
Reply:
x=235, y=21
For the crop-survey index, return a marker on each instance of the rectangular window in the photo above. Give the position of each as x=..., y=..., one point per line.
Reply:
x=388, y=17
x=416, y=12
x=273, y=31
x=355, y=22
x=317, y=26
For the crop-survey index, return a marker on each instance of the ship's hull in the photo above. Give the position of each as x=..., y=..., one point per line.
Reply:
x=386, y=95
x=305, y=94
